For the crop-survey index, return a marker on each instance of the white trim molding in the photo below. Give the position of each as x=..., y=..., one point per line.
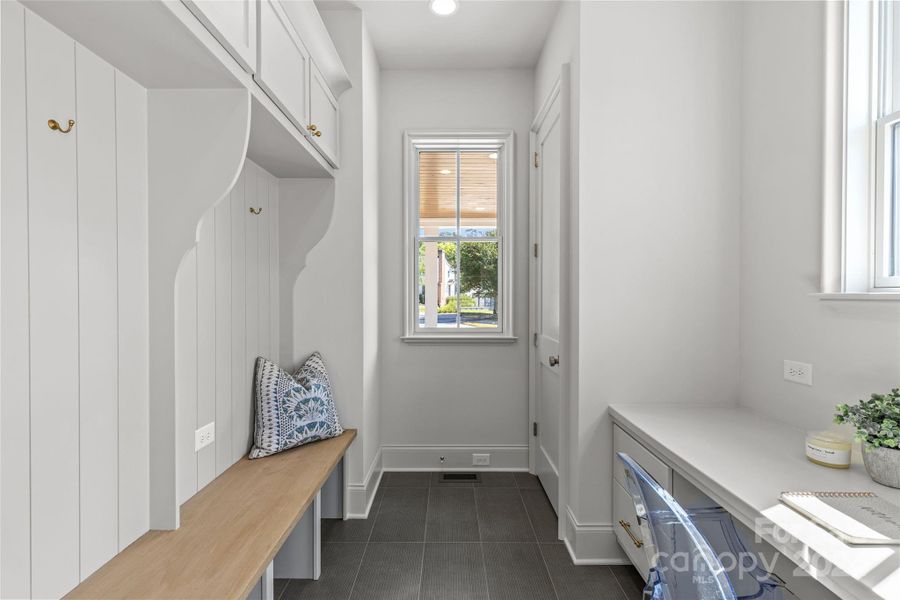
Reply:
x=503, y=143
x=455, y=458
x=592, y=543
x=361, y=495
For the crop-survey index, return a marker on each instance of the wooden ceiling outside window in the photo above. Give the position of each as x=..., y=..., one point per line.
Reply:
x=477, y=189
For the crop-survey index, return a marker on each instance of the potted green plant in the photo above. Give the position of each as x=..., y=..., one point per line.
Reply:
x=877, y=422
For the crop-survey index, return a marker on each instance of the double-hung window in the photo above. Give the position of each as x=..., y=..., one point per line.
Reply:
x=458, y=236
x=862, y=170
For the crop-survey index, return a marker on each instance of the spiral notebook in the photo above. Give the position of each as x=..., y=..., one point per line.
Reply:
x=854, y=517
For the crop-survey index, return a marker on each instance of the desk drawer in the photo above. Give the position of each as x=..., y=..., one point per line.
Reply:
x=623, y=512
x=622, y=442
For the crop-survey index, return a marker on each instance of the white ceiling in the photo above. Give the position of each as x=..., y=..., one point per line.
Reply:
x=482, y=34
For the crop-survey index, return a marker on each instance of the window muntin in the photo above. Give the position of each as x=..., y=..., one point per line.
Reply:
x=458, y=196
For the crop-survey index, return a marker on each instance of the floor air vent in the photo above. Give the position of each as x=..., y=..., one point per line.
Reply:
x=460, y=477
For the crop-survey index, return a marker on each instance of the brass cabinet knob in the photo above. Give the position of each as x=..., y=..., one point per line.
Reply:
x=317, y=133
x=311, y=127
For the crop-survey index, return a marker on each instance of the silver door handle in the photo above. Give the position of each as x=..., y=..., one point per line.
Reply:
x=553, y=360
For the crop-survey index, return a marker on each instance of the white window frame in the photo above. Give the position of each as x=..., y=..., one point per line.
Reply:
x=859, y=63
x=503, y=143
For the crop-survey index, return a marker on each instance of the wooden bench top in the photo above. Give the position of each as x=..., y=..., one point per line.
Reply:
x=230, y=530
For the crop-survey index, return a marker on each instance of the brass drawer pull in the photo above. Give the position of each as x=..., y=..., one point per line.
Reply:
x=627, y=527
x=256, y=211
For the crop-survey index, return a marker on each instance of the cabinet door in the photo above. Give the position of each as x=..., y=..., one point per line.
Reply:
x=323, y=117
x=283, y=65
x=233, y=23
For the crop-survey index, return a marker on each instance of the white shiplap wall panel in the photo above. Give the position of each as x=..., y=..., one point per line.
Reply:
x=206, y=343
x=240, y=387
x=53, y=276
x=224, y=381
x=15, y=460
x=273, y=271
x=73, y=335
x=134, y=310
x=186, y=375
x=227, y=322
x=98, y=310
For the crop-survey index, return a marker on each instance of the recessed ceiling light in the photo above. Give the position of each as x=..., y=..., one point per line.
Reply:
x=493, y=155
x=445, y=171
x=480, y=208
x=443, y=8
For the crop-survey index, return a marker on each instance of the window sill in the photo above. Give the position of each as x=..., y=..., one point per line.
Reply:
x=458, y=339
x=868, y=296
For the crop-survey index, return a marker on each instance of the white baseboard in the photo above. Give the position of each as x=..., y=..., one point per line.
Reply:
x=592, y=543
x=361, y=495
x=456, y=458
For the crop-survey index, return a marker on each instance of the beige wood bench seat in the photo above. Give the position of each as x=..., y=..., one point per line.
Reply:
x=230, y=530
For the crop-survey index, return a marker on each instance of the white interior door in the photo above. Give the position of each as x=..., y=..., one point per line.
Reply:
x=546, y=297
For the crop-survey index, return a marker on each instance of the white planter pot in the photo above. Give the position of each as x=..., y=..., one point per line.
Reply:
x=883, y=465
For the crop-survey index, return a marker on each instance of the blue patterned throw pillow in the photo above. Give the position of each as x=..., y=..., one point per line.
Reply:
x=313, y=371
x=289, y=412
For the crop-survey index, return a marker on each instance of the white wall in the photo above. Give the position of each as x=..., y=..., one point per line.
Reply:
x=659, y=223
x=74, y=408
x=226, y=314
x=449, y=395
x=560, y=47
x=854, y=346
x=371, y=80
x=331, y=300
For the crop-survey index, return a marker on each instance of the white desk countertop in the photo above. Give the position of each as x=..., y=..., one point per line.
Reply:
x=744, y=461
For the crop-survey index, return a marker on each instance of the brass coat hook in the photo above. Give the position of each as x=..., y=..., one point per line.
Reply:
x=256, y=211
x=54, y=125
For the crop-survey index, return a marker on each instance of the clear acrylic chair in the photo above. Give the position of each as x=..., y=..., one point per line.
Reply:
x=683, y=565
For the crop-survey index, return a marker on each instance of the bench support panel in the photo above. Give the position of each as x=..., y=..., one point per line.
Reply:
x=265, y=587
x=301, y=555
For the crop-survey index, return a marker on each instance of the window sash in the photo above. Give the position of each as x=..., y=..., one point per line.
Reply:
x=457, y=238
x=887, y=206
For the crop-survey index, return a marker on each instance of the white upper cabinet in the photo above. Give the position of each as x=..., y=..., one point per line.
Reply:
x=289, y=52
x=233, y=23
x=323, y=116
x=283, y=63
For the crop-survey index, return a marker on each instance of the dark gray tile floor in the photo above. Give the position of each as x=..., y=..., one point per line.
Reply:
x=432, y=540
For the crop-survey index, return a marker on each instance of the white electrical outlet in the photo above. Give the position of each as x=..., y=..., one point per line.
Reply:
x=204, y=436
x=481, y=460
x=798, y=372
